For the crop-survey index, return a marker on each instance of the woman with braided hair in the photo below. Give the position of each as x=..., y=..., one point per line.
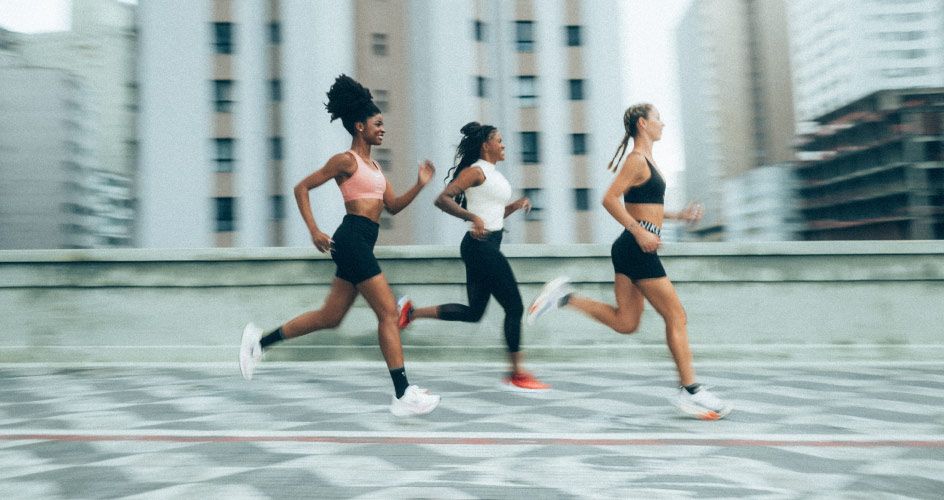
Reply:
x=480, y=194
x=636, y=200
x=366, y=194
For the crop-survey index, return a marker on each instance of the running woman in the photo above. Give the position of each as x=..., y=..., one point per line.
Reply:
x=480, y=194
x=636, y=200
x=366, y=193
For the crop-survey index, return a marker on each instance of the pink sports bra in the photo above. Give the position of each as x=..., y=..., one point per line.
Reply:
x=366, y=182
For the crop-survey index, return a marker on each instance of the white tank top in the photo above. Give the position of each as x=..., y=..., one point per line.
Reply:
x=488, y=199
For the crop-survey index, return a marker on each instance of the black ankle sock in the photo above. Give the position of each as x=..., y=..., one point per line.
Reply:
x=275, y=336
x=692, y=389
x=399, y=381
x=564, y=300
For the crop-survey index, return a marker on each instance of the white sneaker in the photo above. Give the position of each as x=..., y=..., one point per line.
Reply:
x=703, y=404
x=250, y=351
x=549, y=298
x=415, y=401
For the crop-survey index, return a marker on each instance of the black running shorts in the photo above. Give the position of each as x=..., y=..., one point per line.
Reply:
x=630, y=260
x=353, y=249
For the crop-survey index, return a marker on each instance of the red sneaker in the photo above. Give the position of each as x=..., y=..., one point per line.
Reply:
x=405, y=312
x=526, y=381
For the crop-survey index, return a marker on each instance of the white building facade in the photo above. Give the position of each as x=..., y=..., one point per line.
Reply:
x=841, y=50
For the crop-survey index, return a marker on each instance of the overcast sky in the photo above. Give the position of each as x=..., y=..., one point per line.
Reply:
x=648, y=46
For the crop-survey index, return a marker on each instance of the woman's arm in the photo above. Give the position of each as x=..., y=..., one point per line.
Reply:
x=394, y=203
x=446, y=202
x=519, y=204
x=338, y=164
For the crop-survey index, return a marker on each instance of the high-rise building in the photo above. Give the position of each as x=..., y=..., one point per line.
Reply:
x=736, y=97
x=842, y=51
x=67, y=132
x=237, y=118
x=874, y=168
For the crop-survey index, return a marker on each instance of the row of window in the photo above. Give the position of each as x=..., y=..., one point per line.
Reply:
x=528, y=89
x=224, y=150
x=224, y=36
x=524, y=37
x=223, y=94
x=225, y=207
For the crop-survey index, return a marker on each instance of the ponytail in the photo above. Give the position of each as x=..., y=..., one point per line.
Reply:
x=468, y=152
x=631, y=124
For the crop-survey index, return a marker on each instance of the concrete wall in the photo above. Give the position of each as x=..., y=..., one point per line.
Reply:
x=804, y=301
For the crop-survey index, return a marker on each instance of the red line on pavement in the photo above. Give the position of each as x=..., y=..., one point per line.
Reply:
x=483, y=441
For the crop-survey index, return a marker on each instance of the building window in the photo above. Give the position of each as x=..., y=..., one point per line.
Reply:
x=481, y=86
x=223, y=96
x=576, y=90
x=530, y=152
x=384, y=158
x=527, y=91
x=582, y=199
x=224, y=154
x=378, y=44
x=381, y=99
x=275, y=90
x=524, y=36
x=574, y=38
x=278, y=207
x=478, y=31
x=223, y=38
x=537, y=203
x=225, y=214
x=578, y=144
x=275, y=33
x=275, y=148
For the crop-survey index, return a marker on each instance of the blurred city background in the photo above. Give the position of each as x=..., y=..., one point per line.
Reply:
x=186, y=123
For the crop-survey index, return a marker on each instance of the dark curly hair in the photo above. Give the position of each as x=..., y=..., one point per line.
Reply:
x=351, y=102
x=474, y=134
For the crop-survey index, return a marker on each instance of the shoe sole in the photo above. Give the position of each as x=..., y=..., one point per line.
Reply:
x=508, y=386
x=244, y=368
x=425, y=411
x=400, y=303
x=535, y=310
x=701, y=413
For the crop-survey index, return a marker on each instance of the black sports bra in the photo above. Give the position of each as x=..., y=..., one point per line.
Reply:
x=652, y=191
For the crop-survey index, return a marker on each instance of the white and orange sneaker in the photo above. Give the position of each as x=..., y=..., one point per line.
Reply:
x=702, y=405
x=404, y=312
x=551, y=297
x=524, y=381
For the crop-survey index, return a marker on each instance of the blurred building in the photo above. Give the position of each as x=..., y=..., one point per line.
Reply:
x=842, y=51
x=736, y=100
x=66, y=132
x=874, y=168
x=761, y=205
x=237, y=119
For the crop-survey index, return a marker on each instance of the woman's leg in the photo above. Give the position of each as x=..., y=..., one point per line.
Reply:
x=624, y=318
x=379, y=296
x=335, y=307
x=503, y=285
x=477, y=290
x=661, y=294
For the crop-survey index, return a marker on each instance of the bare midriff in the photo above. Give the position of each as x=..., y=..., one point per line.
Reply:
x=650, y=212
x=365, y=207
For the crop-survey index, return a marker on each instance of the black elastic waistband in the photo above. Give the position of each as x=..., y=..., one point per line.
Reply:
x=358, y=219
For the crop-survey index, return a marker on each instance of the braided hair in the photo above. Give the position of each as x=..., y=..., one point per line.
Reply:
x=351, y=102
x=469, y=151
x=631, y=124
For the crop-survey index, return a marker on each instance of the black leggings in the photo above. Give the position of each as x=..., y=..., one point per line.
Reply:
x=487, y=272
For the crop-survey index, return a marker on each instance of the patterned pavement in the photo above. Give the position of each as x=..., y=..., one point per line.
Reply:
x=322, y=430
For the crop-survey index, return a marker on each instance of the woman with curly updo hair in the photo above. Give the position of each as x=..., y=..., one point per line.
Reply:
x=366, y=194
x=636, y=199
x=480, y=194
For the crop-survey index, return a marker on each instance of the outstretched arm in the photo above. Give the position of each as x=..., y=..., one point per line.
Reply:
x=522, y=203
x=396, y=203
x=339, y=164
